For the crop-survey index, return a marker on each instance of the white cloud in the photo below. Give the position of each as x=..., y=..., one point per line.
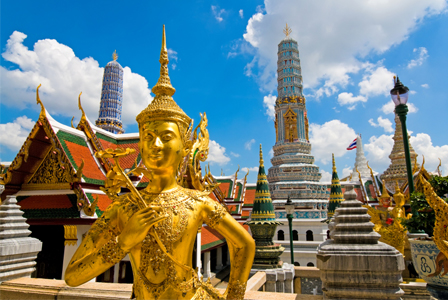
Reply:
x=386, y=124
x=248, y=144
x=425, y=85
x=240, y=12
x=269, y=104
x=422, y=55
x=252, y=170
x=217, y=154
x=378, y=150
x=422, y=144
x=348, y=99
x=389, y=108
x=172, y=56
x=331, y=137
x=14, y=134
x=377, y=82
x=271, y=153
x=63, y=76
x=326, y=176
x=234, y=154
x=217, y=13
x=333, y=49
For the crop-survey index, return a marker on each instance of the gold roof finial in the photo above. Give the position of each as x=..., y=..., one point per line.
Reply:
x=42, y=107
x=115, y=55
x=261, y=157
x=287, y=31
x=334, y=163
x=83, y=117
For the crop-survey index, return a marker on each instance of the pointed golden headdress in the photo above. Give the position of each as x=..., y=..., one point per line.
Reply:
x=163, y=107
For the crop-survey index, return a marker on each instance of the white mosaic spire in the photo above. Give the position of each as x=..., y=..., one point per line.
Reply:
x=360, y=162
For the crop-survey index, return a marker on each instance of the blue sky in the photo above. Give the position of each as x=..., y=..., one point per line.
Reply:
x=223, y=62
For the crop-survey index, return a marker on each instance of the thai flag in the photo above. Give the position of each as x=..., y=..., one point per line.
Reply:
x=352, y=145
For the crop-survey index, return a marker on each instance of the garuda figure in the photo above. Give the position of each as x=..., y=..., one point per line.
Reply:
x=157, y=226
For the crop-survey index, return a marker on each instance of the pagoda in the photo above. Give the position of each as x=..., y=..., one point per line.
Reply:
x=336, y=196
x=293, y=172
x=397, y=169
x=111, y=97
x=263, y=224
x=360, y=162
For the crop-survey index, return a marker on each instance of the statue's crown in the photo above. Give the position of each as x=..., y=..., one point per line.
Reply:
x=163, y=107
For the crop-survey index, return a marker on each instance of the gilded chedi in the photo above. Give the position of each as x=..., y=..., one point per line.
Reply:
x=157, y=226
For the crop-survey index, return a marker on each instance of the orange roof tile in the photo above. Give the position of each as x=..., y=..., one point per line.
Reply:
x=212, y=195
x=210, y=238
x=79, y=153
x=126, y=162
x=250, y=196
x=103, y=201
x=45, y=202
x=224, y=186
x=245, y=213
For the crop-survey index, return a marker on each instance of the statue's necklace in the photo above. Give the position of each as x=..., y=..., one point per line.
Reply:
x=176, y=202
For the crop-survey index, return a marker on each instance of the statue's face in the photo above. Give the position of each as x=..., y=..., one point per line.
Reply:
x=161, y=145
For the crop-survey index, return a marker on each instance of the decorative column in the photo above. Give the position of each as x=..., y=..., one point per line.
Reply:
x=18, y=251
x=353, y=264
x=219, y=265
x=207, y=271
x=198, y=252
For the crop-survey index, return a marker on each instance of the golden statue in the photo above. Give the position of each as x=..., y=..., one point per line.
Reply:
x=387, y=219
x=157, y=226
x=440, y=237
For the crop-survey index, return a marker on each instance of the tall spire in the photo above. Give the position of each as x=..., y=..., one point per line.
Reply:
x=263, y=208
x=336, y=196
x=397, y=169
x=163, y=106
x=109, y=117
x=263, y=224
x=360, y=162
x=163, y=86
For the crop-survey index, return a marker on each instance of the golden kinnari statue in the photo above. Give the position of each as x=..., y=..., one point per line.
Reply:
x=157, y=226
x=387, y=218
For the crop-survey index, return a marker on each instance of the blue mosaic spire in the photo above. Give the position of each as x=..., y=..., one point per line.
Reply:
x=111, y=97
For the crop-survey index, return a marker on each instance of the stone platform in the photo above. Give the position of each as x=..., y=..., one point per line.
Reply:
x=48, y=289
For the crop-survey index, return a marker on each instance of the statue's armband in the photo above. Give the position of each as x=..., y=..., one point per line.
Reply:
x=216, y=215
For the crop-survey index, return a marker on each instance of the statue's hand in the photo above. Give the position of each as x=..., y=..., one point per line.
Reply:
x=137, y=227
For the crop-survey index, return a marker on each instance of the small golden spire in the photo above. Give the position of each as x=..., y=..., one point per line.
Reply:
x=42, y=107
x=83, y=117
x=385, y=193
x=163, y=86
x=261, y=157
x=287, y=31
x=397, y=187
x=115, y=55
x=334, y=163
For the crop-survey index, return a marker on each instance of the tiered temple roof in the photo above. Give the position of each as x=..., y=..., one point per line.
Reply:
x=57, y=178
